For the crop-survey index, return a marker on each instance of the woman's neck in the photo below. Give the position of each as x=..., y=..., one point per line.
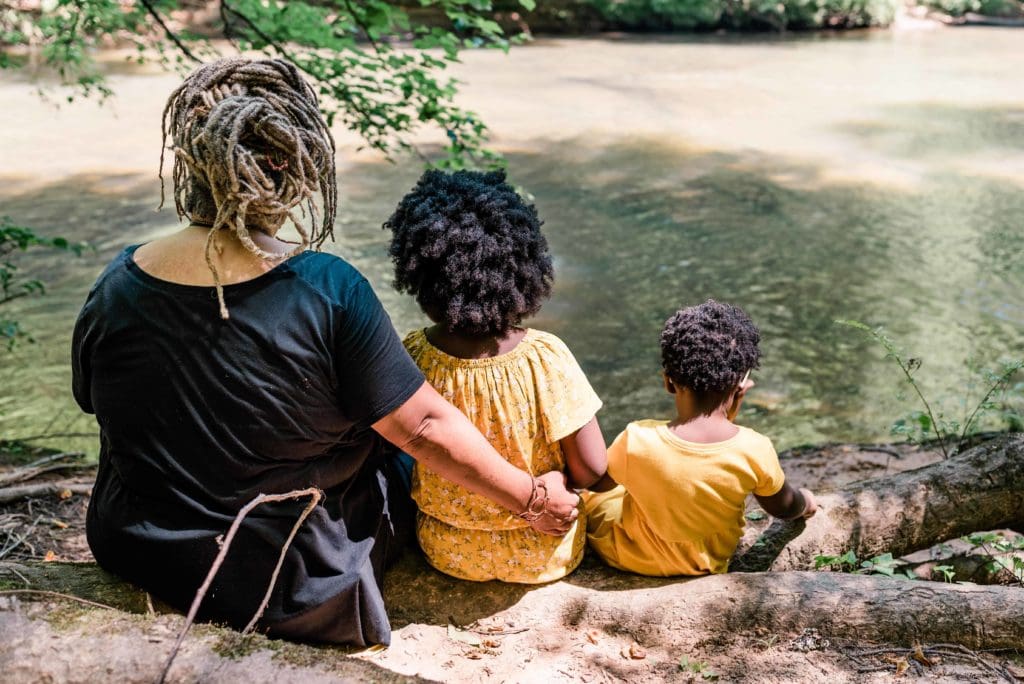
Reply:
x=474, y=346
x=181, y=256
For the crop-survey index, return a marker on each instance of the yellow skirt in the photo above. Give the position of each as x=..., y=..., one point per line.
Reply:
x=520, y=555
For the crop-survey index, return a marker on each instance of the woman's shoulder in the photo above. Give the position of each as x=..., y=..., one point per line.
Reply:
x=322, y=267
x=330, y=277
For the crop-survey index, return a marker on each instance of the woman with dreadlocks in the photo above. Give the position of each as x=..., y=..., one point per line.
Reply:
x=223, y=362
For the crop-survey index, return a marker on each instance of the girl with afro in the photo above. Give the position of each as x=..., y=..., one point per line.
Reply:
x=683, y=484
x=470, y=250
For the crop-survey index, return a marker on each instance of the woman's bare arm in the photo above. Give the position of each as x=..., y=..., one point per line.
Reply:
x=586, y=458
x=442, y=439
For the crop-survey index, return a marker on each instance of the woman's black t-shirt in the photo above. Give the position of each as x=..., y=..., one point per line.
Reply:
x=199, y=415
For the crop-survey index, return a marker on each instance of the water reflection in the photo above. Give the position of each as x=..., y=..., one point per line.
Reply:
x=642, y=225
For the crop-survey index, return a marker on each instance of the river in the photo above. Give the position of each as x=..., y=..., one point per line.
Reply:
x=871, y=175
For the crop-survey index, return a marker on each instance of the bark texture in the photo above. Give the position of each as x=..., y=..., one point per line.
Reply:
x=981, y=489
x=661, y=612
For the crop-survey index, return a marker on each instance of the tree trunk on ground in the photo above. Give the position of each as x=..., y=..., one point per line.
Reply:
x=859, y=608
x=981, y=489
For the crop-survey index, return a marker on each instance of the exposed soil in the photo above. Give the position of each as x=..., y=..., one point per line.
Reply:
x=488, y=633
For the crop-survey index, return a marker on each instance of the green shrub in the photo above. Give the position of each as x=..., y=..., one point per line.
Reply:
x=992, y=8
x=668, y=15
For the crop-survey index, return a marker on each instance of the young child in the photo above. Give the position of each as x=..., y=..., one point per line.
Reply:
x=683, y=483
x=470, y=250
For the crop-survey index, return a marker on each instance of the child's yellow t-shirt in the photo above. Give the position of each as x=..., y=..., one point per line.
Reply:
x=523, y=402
x=679, y=509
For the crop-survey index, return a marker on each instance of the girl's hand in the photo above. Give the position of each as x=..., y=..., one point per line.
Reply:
x=561, y=509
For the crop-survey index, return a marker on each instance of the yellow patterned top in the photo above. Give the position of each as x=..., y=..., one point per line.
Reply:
x=523, y=402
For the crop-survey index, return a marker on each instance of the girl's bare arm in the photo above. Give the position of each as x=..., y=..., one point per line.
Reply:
x=585, y=456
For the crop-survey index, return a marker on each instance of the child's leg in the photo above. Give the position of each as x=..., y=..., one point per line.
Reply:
x=604, y=509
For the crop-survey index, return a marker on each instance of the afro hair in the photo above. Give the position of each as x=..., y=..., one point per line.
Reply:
x=470, y=250
x=709, y=348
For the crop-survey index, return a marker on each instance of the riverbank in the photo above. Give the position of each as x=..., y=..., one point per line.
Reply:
x=590, y=627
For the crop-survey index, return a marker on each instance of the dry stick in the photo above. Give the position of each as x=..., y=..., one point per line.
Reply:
x=313, y=492
x=35, y=438
x=9, y=494
x=316, y=494
x=55, y=594
x=26, y=474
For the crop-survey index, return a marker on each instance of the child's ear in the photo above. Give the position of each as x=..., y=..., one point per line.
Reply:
x=669, y=387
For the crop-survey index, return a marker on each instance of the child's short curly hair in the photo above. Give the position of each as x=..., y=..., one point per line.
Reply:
x=708, y=348
x=470, y=250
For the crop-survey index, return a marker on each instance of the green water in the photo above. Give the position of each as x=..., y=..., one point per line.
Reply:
x=900, y=206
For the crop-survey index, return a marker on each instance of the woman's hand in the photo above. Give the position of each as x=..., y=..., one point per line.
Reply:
x=442, y=439
x=562, y=506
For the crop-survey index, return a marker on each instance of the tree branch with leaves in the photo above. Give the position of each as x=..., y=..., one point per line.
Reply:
x=379, y=69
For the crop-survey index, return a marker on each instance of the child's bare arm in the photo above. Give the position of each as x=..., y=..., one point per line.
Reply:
x=605, y=484
x=585, y=456
x=789, y=503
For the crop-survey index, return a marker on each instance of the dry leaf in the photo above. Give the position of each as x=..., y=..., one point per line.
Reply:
x=634, y=652
x=64, y=494
x=902, y=664
x=920, y=657
x=474, y=655
x=593, y=635
x=50, y=556
x=456, y=634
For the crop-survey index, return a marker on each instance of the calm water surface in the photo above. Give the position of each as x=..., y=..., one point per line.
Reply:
x=875, y=177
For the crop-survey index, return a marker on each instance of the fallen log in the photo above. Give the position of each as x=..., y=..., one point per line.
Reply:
x=11, y=494
x=980, y=489
x=662, y=613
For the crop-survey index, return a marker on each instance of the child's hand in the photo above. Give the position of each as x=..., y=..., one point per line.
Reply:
x=810, y=504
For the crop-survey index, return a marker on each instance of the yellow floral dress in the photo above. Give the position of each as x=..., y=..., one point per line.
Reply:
x=523, y=402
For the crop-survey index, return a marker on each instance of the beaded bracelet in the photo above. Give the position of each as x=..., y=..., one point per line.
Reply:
x=537, y=504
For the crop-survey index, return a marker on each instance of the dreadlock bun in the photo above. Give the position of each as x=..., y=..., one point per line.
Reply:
x=250, y=146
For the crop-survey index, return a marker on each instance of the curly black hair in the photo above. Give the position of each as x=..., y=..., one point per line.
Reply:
x=708, y=348
x=470, y=250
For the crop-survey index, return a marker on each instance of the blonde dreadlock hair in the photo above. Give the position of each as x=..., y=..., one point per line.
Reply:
x=250, y=145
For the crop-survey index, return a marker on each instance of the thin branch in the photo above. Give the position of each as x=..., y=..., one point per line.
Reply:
x=935, y=425
x=362, y=27
x=18, y=295
x=35, y=438
x=313, y=501
x=55, y=594
x=1002, y=380
x=167, y=30
x=313, y=492
x=26, y=474
x=10, y=494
